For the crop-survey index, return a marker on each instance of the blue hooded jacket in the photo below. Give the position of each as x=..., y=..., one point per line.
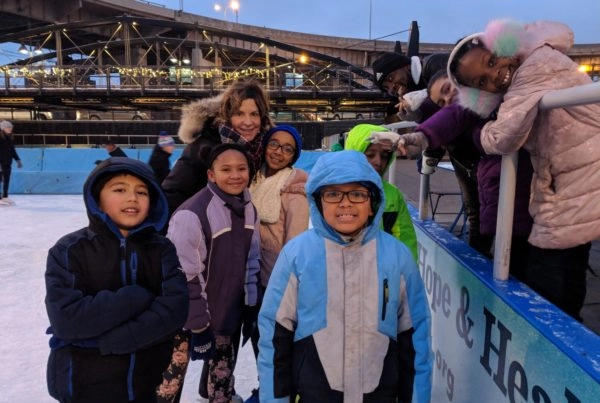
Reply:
x=334, y=310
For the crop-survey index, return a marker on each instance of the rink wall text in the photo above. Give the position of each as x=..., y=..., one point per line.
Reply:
x=498, y=341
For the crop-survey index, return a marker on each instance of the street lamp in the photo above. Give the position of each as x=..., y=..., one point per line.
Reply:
x=23, y=49
x=235, y=6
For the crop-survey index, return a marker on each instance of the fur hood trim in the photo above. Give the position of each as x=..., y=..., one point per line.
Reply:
x=483, y=103
x=508, y=38
x=195, y=115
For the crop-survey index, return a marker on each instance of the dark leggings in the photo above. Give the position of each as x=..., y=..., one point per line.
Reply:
x=5, y=179
x=559, y=275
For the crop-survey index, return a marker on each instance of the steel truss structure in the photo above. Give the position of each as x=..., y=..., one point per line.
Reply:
x=134, y=62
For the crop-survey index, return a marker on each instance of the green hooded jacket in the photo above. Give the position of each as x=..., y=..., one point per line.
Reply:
x=396, y=218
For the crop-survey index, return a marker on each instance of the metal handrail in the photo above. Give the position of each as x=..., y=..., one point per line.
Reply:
x=14, y=78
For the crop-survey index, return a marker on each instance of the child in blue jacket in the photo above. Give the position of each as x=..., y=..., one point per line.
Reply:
x=345, y=314
x=115, y=292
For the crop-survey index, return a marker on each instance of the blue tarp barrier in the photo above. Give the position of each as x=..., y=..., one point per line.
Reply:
x=64, y=170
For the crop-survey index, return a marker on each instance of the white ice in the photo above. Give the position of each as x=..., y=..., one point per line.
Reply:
x=27, y=231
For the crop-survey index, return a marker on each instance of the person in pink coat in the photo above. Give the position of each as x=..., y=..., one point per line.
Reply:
x=278, y=193
x=514, y=65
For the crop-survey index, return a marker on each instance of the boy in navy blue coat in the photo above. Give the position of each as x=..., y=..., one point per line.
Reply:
x=115, y=293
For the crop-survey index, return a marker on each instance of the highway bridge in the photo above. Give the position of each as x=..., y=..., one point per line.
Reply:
x=125, y=55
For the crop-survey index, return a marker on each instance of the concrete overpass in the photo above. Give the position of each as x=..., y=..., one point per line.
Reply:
x=136, y=54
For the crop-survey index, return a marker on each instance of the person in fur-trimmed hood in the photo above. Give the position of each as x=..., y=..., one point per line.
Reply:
x=517, y=64
x=239, y=115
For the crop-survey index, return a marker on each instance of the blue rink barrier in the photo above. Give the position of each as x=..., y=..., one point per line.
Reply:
x=64, y=170
x=498, y=341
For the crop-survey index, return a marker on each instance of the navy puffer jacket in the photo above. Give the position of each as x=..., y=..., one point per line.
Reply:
x=114, y=302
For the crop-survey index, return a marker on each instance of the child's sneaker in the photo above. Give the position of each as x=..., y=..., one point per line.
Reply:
x=253, y=397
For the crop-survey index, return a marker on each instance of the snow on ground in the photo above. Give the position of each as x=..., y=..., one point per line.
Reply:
x=27, y=231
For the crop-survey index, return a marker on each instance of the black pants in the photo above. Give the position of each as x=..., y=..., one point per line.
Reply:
x=559, y=275
x=5, y=178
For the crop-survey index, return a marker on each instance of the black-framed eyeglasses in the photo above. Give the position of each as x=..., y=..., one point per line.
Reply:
x=336, y=196
x=285, y=148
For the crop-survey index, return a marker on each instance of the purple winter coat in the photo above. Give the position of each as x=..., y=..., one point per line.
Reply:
x=460, y=129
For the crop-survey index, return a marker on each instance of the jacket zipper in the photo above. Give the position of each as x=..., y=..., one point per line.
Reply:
x=385, y=298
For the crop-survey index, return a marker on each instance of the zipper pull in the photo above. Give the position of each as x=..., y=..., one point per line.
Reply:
x=386, y=297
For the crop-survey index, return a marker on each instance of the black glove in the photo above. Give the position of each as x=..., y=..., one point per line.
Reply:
x=202, y=345
x=250, y=317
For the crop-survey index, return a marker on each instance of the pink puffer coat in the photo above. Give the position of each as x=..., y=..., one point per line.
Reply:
x=564, y=143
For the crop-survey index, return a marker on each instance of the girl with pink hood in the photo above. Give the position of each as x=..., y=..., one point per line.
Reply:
x=513, y=65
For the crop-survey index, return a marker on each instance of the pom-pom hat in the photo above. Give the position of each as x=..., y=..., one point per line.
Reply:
x=164, y=140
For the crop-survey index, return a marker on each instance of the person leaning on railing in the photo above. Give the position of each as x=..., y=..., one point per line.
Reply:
x=517, y=64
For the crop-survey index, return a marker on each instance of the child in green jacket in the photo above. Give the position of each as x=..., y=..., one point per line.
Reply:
x=396, y=218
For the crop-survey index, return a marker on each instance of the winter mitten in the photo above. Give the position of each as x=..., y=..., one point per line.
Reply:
x=250, y=317
x=379, y=137
x=19, y=164
x=414, y=139
x=412, y=144
x=409, y=105
x=202, y=345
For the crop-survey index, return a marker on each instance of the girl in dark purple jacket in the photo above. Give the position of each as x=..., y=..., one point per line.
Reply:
x=458, y=129
x=454, y=122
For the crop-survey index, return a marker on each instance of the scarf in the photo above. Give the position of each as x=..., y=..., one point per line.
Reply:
x=266, y=194
x=237, y=204
x=254, y=147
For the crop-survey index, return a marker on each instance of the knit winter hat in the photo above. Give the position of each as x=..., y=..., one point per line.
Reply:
x=291, y=130
x=387, y=63
x=165, y=140
x=6, y=125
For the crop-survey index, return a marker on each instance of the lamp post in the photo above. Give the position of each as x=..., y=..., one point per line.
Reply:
x=370, y=16
x=235, y=6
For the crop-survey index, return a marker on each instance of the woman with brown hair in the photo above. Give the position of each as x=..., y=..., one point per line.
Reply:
x=239, y=115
